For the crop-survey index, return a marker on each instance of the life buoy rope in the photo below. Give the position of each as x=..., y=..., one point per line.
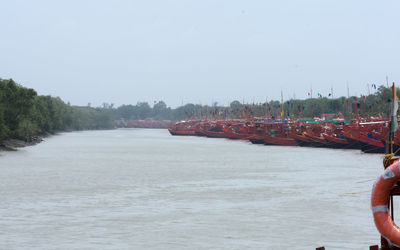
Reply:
x=388, y=157
x=380, y=204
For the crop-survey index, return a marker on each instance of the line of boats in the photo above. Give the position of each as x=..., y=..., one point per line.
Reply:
x=366, y=134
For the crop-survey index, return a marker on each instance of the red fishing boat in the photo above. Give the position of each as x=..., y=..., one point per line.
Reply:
x=256, y=139
x=235, y=131
x=316, y=140
x=369, y=136
x=257, y=133
x=302, y=140
x=233, y=135
x=279, y=140
x=181, y=132
x=215, y=129
x=371, y=145
x=214, y=134
x=181, y=128
x=198, y=128
x=336, y=141
x=351, y=134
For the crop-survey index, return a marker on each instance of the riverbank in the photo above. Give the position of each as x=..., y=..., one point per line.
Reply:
x=14, y=144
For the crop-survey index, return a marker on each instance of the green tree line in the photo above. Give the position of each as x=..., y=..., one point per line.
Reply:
x=24, y=114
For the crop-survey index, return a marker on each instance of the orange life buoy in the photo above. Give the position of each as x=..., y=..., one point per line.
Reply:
x=380, y=204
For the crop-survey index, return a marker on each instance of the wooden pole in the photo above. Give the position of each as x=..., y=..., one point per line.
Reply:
x=387, y=81
x=389, y=150
x=311, y=105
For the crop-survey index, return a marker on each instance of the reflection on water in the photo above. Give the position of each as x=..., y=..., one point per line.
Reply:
x=145, y=189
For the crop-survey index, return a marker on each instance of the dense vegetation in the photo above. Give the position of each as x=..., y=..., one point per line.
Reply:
x=24, y=114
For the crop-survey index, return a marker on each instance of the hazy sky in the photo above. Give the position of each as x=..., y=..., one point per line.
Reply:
x=200, y=51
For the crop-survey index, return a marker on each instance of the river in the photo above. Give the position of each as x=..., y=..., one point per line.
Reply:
x=146, y=189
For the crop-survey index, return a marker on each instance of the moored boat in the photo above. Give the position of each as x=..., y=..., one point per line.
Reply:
x=214, y=134
x=232, y=133
x=302, y=140
x=336, y=141
x=182, y=128
x=352, y=138
x=181, y=132
x=279, y=140
x=371, y=145
x=256, y=139
x=316, y=141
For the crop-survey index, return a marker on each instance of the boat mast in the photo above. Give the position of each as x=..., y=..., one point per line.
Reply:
x=311, y=104
x=366, y=102
x=282, y=112
x=393, y=119
x=387, y=81
x=369, y=92
x=348, y=98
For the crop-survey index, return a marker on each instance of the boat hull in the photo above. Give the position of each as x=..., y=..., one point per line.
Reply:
x=370, y=145
x=280, y=141
x=335, y=142
x=181, y=132
x=213, y=134
x=256, y=139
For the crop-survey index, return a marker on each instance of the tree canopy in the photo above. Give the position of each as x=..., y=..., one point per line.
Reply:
x=24, y=114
